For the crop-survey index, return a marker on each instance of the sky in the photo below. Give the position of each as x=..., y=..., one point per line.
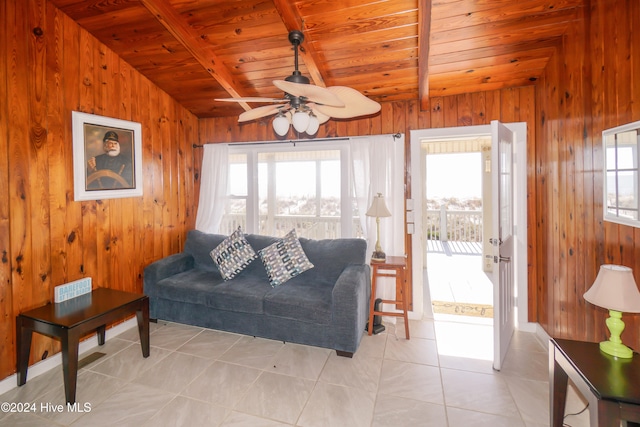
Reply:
x=454, y=175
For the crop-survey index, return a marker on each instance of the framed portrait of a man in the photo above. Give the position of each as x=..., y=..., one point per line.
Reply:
x=107, y=157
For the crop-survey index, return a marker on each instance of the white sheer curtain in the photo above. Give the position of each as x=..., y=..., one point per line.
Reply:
x=378, y=167
x=213, y=187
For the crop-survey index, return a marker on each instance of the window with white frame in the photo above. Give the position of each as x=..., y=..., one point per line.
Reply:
x=273, y=189
x=622, y=180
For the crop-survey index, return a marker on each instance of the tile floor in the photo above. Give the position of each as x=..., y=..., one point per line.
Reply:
x=201, y=377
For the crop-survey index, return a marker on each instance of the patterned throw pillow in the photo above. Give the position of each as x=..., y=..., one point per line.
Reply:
x=233, y=255
x=284, y=259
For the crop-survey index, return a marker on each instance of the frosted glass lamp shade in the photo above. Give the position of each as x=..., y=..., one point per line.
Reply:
x=314, y=125
x=281, y=125
x=300, y=121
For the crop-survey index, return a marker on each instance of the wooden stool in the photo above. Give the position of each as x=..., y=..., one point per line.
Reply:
x=398, y=265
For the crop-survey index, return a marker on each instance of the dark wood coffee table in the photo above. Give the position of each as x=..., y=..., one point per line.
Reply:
x=71, y=320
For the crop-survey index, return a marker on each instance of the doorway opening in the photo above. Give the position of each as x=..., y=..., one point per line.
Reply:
x=456, y=218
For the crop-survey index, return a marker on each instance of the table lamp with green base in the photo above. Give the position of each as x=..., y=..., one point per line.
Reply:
x=616, y=290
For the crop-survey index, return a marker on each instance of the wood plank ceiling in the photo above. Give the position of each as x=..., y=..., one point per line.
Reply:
x=199, y=50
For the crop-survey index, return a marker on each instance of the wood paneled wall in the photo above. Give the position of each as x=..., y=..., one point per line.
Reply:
x=49, y=67
x=590, y=85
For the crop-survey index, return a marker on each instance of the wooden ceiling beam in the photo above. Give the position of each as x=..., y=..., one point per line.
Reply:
x=293, y=21
x=424, y=30
x=199, y=48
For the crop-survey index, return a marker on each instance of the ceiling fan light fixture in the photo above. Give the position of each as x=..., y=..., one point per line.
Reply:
x=314, y=124
x=281, y=125
x=300, y=121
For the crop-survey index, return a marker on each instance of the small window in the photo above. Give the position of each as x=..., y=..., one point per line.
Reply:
x=621, y=177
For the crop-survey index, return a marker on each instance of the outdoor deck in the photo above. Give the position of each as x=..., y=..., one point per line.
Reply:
x=456, y=282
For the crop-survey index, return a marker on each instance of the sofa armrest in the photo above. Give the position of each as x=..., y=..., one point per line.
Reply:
x=165, y=267
x=350, y=299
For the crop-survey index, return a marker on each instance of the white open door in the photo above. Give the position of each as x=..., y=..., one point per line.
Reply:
x=503, y=240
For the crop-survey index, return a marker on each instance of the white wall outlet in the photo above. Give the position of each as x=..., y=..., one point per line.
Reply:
x=72, y=290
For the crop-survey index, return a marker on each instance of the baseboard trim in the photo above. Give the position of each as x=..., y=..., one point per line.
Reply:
x=54, y=361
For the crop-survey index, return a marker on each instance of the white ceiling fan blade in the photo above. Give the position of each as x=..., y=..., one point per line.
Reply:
x=355, y=104
x=256, y=113
x=251, y=99
x=316, y=94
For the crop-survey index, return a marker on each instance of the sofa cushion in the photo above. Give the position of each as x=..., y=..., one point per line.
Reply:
x=192, y=286
x=199, y=244
x=243, y=294
x=331, y=256
x=301, y=300
x=233, y=255
x=284, y=259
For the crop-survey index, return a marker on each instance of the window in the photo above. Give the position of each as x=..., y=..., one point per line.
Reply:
x=621, y=174
x=274, y=189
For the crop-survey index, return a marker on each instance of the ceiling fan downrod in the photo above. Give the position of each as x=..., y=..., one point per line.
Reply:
x=296, y=38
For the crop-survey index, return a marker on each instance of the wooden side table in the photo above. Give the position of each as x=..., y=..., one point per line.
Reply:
x=611, y=385
x=71, y=320
x=393, y=266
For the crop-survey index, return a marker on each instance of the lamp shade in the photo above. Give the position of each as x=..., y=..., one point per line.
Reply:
x=300, y=121
x=314, y=125
x=615, y=289
x=378, y=208
x=281, y=125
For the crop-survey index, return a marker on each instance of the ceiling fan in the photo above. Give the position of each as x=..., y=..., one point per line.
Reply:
x=306, y=106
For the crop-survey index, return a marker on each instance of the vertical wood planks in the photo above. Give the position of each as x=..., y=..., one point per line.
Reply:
x=50, y=67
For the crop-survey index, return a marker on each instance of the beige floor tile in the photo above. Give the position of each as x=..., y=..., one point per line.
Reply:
x=174, y=372
x=464, y=418
x=109, y=349
x=173, y=335
x=360, y=372
x=301, y=361
x=132, y=405
x=237, y=419
x=252, y=352
x=532, y=366
x=392, y=411
x=275, y=396
x=91, y=390
x=419, y=328
x=128, y=364
x=197, y=376
x=478, y=392
x=372, y=346
x=337, y=406
x=415, y=350
x=531, y=397
x=209, y=344
x=410, y=380
x=182, y=411
x=222, y=384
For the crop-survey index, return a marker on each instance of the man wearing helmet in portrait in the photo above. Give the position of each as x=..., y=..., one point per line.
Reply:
x=111, y=170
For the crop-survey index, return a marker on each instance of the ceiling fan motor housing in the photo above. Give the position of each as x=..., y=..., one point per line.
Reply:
x=296, y=38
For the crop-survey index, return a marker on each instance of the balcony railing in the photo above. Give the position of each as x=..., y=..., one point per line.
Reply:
x=453, y=231
x=311, y=227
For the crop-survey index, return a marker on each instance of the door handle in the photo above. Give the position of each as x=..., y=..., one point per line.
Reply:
x=504, y=258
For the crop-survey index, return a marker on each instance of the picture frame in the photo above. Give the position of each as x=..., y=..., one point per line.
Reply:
x=107, y=157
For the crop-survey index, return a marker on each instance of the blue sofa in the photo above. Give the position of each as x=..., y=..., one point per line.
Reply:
x=326, y=306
